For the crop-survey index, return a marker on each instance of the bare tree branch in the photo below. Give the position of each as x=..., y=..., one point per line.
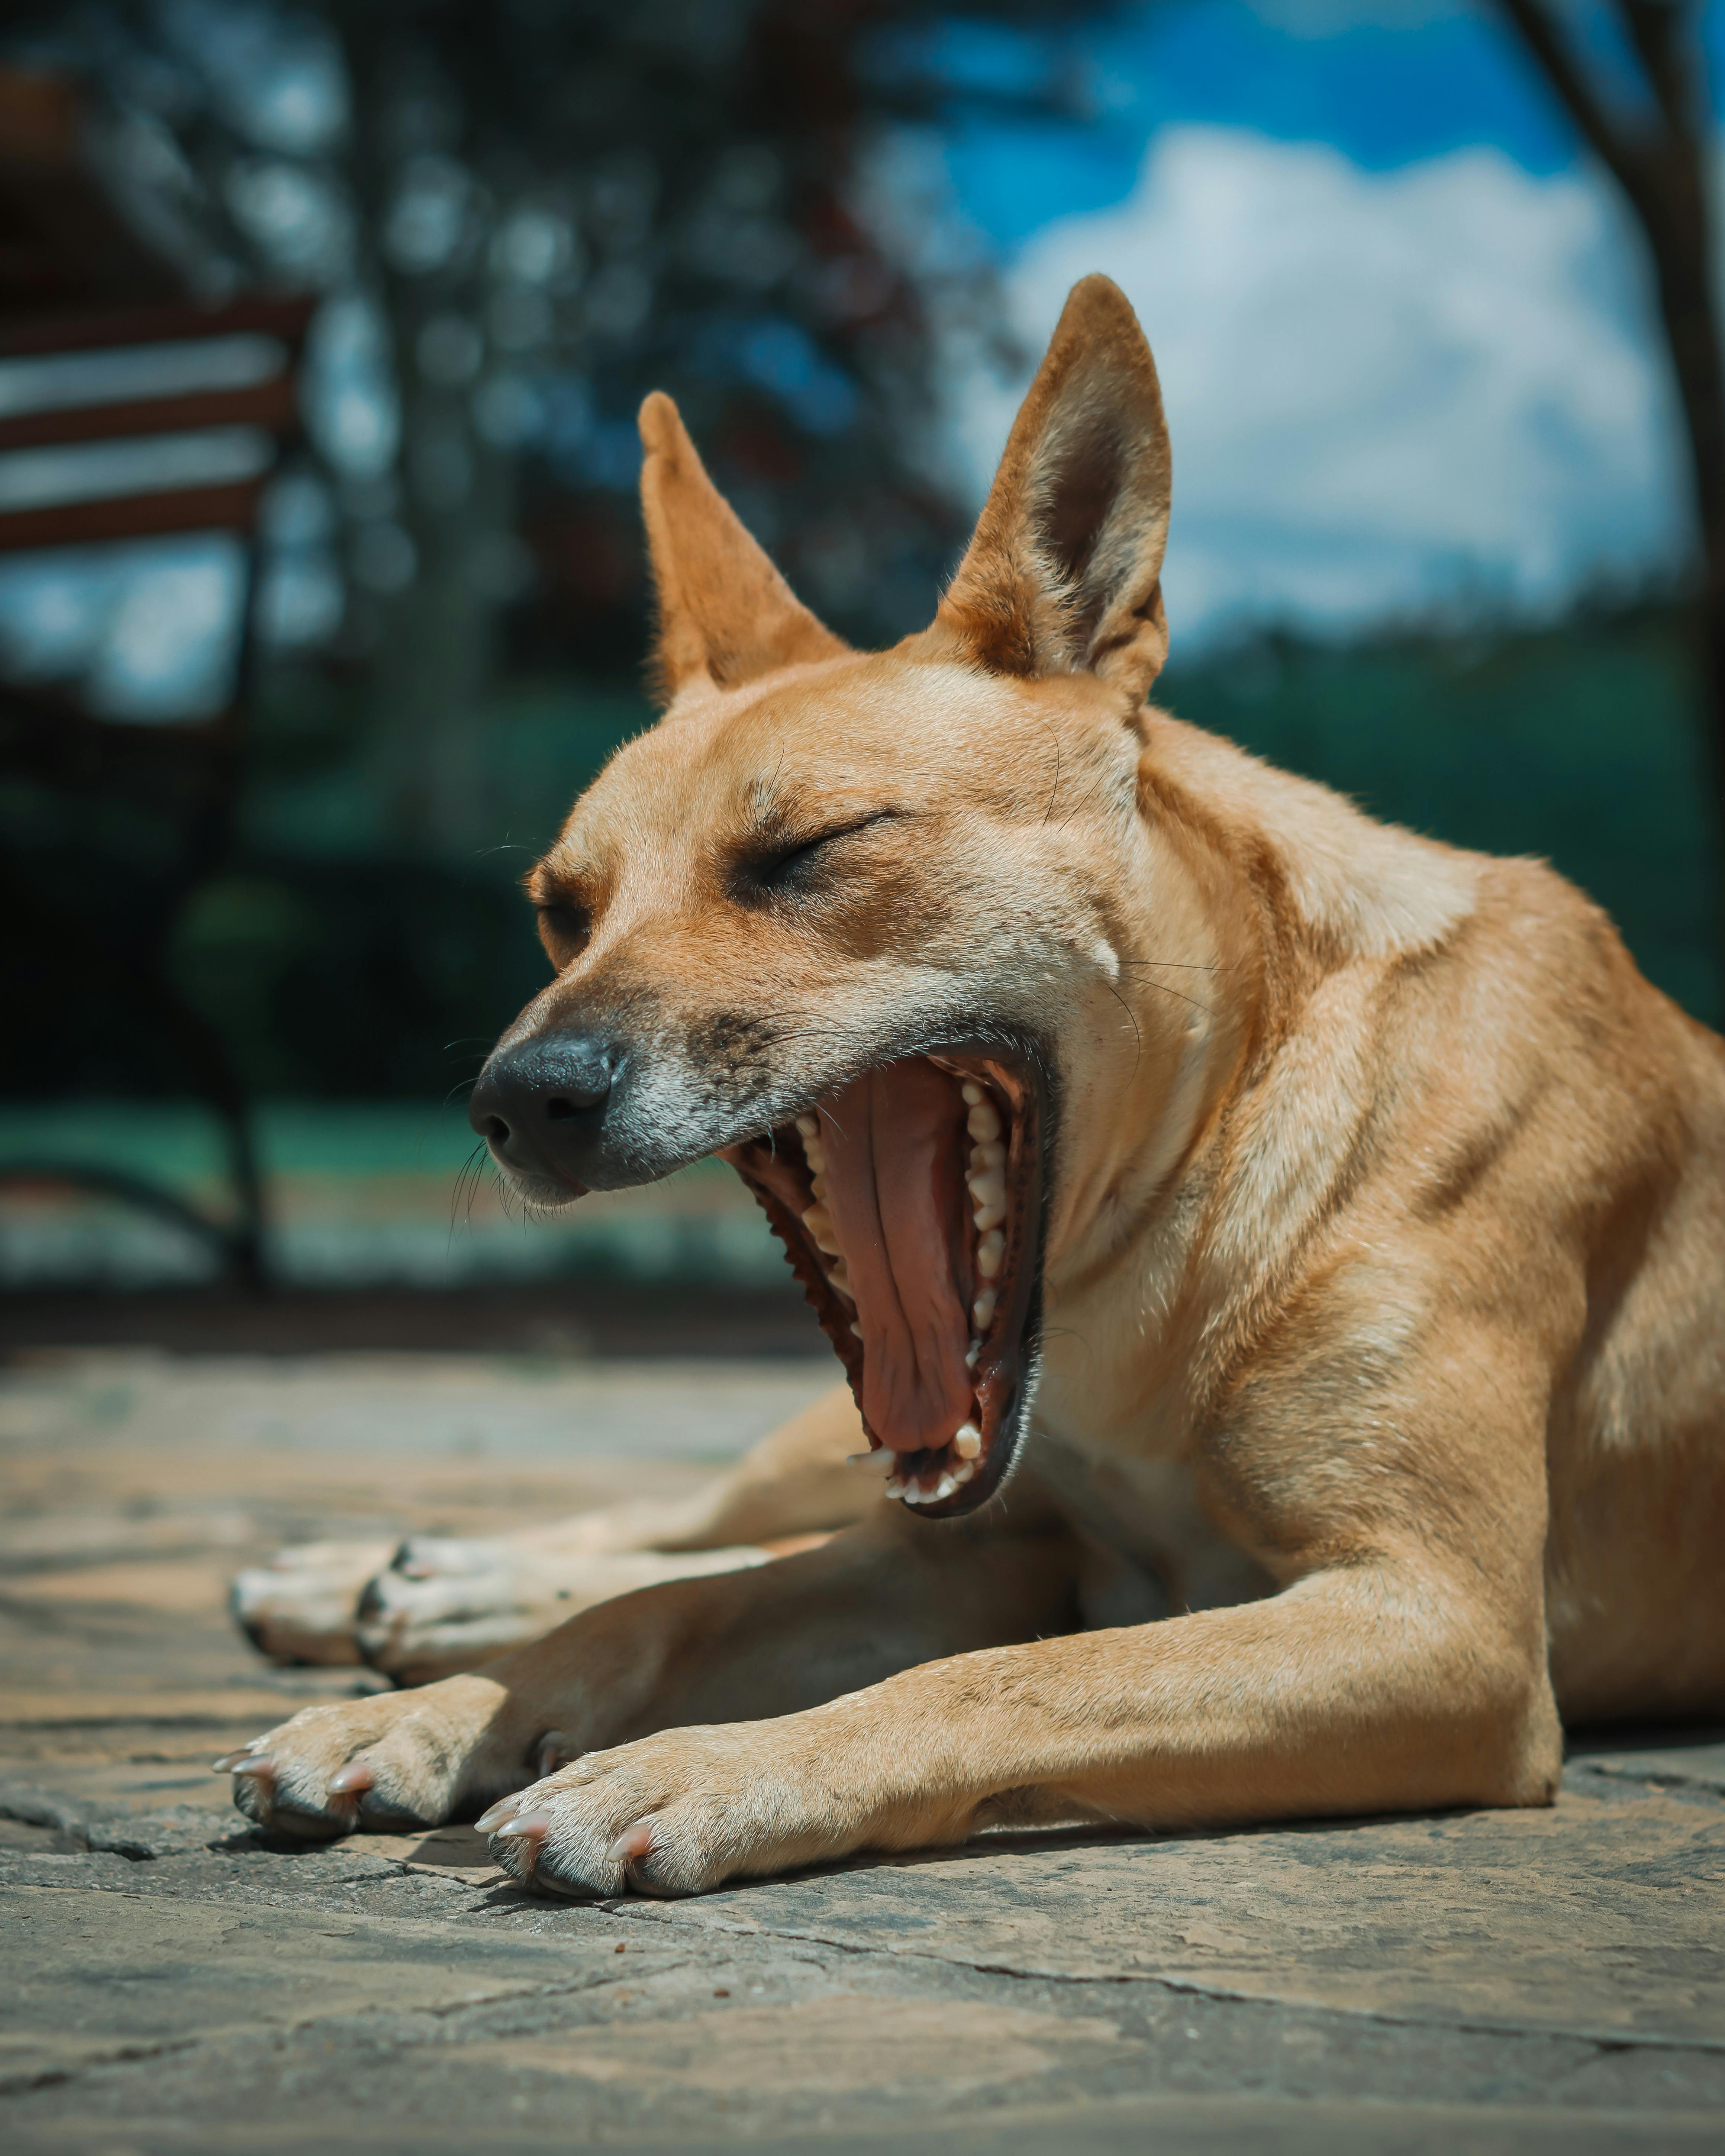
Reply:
x=1656, y=29
x=1550, y=47
x=1660, y=165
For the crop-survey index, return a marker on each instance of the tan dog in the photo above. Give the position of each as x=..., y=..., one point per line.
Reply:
x=1222, y=1204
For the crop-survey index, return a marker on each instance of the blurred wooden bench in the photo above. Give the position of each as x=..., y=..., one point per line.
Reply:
x=124, y=426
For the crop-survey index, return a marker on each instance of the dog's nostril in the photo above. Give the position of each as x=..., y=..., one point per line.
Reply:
x=578, y=1099
x=496, y=1130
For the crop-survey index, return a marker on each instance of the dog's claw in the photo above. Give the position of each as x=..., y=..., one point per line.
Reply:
x=528, y=1826
x=495, y=1820
x=554, y=1752
x=230, y=1761
x=528, y=1831
x=635, y=1841
x=351, y=1779
x=256, y=1772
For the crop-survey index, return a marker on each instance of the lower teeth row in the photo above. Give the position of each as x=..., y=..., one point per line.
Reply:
x=913, y=1493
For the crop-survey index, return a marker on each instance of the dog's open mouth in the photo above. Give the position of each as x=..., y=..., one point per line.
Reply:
x=909, y=1204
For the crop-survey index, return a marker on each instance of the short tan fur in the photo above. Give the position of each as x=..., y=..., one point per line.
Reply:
x=1380, y=1421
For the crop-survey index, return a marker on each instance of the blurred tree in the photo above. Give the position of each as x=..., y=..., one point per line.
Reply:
x=522, y=215
x=525, y=213
x=560, y=207
x=1641, y=101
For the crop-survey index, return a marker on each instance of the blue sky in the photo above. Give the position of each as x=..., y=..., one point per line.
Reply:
x=1402, y=319
x=1386, y=84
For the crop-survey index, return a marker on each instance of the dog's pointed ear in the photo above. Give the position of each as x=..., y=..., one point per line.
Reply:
x=1065, y=571
x=724, y=610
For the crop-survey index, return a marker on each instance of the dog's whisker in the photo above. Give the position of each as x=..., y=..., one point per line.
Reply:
x=1176, y=965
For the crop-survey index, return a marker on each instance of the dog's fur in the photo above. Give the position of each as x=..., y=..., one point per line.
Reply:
x=1383, y=1247
x=426, y=1606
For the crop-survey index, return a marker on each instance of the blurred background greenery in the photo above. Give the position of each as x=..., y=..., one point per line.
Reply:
x=514, y=219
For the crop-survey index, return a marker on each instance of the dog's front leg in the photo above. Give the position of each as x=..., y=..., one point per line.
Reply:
x=757, y=1646
x=1371, y=1688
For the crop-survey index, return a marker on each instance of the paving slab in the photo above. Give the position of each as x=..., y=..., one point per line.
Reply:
x=1603, y=1915
x=170, y=1979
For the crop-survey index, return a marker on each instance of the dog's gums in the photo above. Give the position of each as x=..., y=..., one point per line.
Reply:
x=908, y=1203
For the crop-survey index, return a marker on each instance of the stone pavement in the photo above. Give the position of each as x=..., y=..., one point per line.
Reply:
x=1497, y=1981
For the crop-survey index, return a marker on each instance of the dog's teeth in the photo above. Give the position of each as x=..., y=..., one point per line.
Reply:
x=964, y=1471
x=809, y=1125
x=972, y=1354
x=988, y=1190
x=991, y=1155
x=839, y=1276
x=981, y=1122
x=982, y=1310
x=822, y=1233
x=972, y=1093
x=990, y=1251
x=966, y=1440
x=818, y=1184
x=879, y=1459
x=895, y=1486
x=816, y=1158
x=945, y=1487
x=857, y=1328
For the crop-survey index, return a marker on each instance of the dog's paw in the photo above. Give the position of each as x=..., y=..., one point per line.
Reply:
x=444, y=1606
x=420, y=1619
x=299, y=1607
x=439, y=1557
x=678, y=1813
x=390, y=1764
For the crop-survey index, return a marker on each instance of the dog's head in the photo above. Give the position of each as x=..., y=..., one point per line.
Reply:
x=855, y=921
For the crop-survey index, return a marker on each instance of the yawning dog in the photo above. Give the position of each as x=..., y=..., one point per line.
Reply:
x=1278, y=1260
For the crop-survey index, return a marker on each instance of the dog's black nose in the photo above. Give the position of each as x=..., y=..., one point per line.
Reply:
x=540, y=1104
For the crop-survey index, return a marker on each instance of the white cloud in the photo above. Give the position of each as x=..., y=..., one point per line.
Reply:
x=1384, y=389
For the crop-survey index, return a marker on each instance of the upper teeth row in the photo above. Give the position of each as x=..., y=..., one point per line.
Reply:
x=986, y=1180
x=817, y=1219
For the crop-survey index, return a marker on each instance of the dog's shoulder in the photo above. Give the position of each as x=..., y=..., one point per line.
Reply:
x=1354, y=887
x=1492, y=943
x=1447, y=1037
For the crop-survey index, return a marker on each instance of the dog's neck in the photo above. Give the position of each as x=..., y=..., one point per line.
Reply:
x=1196, y=1149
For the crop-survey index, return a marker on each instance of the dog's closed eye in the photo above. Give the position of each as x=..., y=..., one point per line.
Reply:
x=792, y=866
x=563, y=928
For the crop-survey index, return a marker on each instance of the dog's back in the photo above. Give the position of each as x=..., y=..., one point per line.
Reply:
x=1517, y=1068
x=1623, y=1097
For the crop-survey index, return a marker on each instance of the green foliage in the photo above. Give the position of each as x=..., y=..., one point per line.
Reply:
x=1577, y=743
x=338, y=965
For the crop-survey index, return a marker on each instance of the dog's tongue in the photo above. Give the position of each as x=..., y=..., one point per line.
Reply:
x=894, y=1189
